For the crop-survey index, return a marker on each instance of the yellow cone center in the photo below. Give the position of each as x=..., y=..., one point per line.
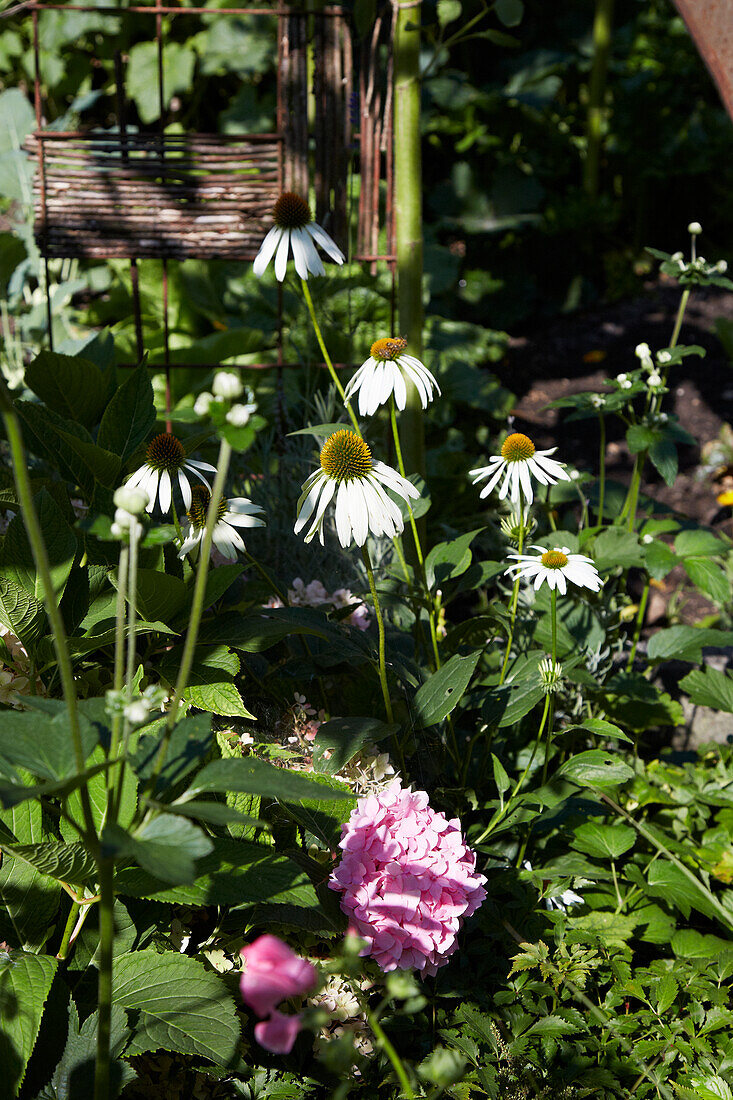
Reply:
x=389, y=347
x=345, y=456
x=554, y=559
x=291, y=211
x=517, y=448
x=165, y=452
x=200, y=500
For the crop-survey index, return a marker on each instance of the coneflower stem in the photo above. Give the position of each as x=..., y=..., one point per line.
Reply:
x=551, y=694
x=380, y=630
x=135, y=532
x=326, y=356
x=513, y=605
x=119, y=669
x=104, y=990
x=602, y=468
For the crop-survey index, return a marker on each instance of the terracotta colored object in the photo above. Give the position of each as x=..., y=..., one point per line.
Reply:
x=710, y=22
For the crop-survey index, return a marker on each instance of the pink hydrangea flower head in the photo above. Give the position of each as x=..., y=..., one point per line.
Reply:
x=273, y=972
x=407, y=878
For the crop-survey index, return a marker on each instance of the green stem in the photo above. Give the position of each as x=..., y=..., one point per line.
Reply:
x=197, y=608
x=380, y=629
x=602, y=469
x=416, y=539
x=40, y=559
x=63, y=950
x=639, y=624
x=551, y=695
x=135, y=532
x=391, y=1053
x=680, y=317
x=515, y=600
x=408, y=209
x=104, y=995
x=326, y=356
x=602, y=37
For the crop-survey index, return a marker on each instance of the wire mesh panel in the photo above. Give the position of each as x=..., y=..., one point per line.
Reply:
x=107, y=194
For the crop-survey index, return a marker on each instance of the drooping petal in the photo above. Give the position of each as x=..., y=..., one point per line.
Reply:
x=281, y=259
x=358, y=511
x=267, y=249
x=308, y=499
x=299, y=254
x=185, y=489
x=165, y=492
x=321, y=237
x=343, y=518
x=312, y=259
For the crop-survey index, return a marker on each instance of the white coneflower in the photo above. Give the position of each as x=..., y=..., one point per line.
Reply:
x=556, y=566
x=294, y=226
x=165, y=459
x=349, y=473
x=520, y=461
x=384, y=374
x=233, y=513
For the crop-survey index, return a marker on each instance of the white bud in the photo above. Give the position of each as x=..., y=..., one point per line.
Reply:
x=646, y=539
x=694, y=229
x=597, y=400
x=131, y=499
x=239, y=415
x=722, y=266
x=226, y=385
x=654, y=380
x=621, y=378
x=642, y=351
x=202, y=404
x=664, y=357
x=677, y=257
x=116, y=531
x=136, y=713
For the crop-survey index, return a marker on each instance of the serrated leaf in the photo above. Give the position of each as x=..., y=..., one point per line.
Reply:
x=667, y=881
x=685, y=643
x=21, y=613
x=130, y=415
x=73, y=387
x=602, y=840
x=253, y=776
x=178, y=1005
x=44, y=745
x=166, y=847
x=16, y=558
x=31, y=899
x=550, y=1027
x=25, y=982
x=443, y=690
x=666, y=993
x=709, y=688
x=342, y=738
x=68, y=862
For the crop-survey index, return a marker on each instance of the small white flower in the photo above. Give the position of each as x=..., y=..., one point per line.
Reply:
x=556, y=566
x=226, y=385
x=233, y=513
x=136, y=713
x=597, y=400
x=643, y=352
x=678, y=257
x=203, y=403
x=624, y=381
x=646, y=539
x=134, y=501
x=238, y=416
x=294, y=227
x=721, y=266
x=384, y=373
x=664, y=357
x=349, y=474
x=165, y=460
x=694, y=229
x=654, y=380
x=559, y=901
x=550, y=674
x=522, y=462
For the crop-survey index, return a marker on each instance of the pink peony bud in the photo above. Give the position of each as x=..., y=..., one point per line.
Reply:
x=273, y=972
x=408, y=879
x=278, y=1034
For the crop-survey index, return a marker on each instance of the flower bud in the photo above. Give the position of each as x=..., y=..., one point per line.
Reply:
x=642, y=351
x=664, y=357
x=202, y=404
x=722, y=266
x=136, y=713
x=694, y=229
x=239, y=415
x=131, y=499
x=654, y=380
x=226, y=385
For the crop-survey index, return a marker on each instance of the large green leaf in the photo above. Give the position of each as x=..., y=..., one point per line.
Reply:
x=74, y=1075
x=71, y=386
x=20, y=612
x=602, y=840
x=321, y=817
x=16, y=559
x=190, y=742
x=237, y=872
x=709, y=688
x=159, y=595
x=31, y=899
x=596, y=768
x=211, y=681
x=342, y=738
x=69, y=448
x=142, y=76
x=616, y=547
x=442, y=691
x=667, y=881
x=448, y=560
x=176, y=1005
x=130, y=415
x=685, y=643
x=68, y=862
x=43, y=743
x=253, y=776
x=25, y=981
x=166, y=847
x=709, y=577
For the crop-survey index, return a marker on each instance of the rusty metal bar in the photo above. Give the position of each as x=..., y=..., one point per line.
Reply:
x=241, y=366
x=151, y=9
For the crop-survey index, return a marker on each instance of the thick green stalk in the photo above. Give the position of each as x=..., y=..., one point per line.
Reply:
x=380, y=630
x=408, y=210
x=602, y=470
x=515, y=600
x=384, y=1044
x=40, y=559
x=197, y=608
x=135, y=532
x=63, y=950
x=602, y=36
x=551, y=695
x=326, y=356
x=104, y=994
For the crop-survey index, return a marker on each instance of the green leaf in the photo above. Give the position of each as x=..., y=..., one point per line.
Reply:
x=509, y=12
x=142, y=76
x=72, y=387
x=20, y=612
x=710, y=1087
x=25, y=982
x=257, y=632
x=448, y=10
x=663, y=454
x=520, y=693
x=596, y=768
x=177, y=1005
x=698, y=542
x=709, y=577
x=709, y=688
x=237, y=872
x=616, y=547
x=13, y=791
x=31, y=899
x=69, y=448
x=343, y=738
x=44, y=745
x=551, y=1027
x=190, y=742
x=685, y=643
x=74, y=1075
x=130, y=415
x=448, y=560
x=159, y=596
x=214, y=813
x=68, y=862
x=667, y=881
x=253, y=776
x=503, y=783
x=666, y=992
x=601, y=728
x=167, y=847
x=17, y=557
x=658, y=559
x=442, y=691
x=211, y=683
x=217, y=582
x=322, y=818
x=603, y=841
